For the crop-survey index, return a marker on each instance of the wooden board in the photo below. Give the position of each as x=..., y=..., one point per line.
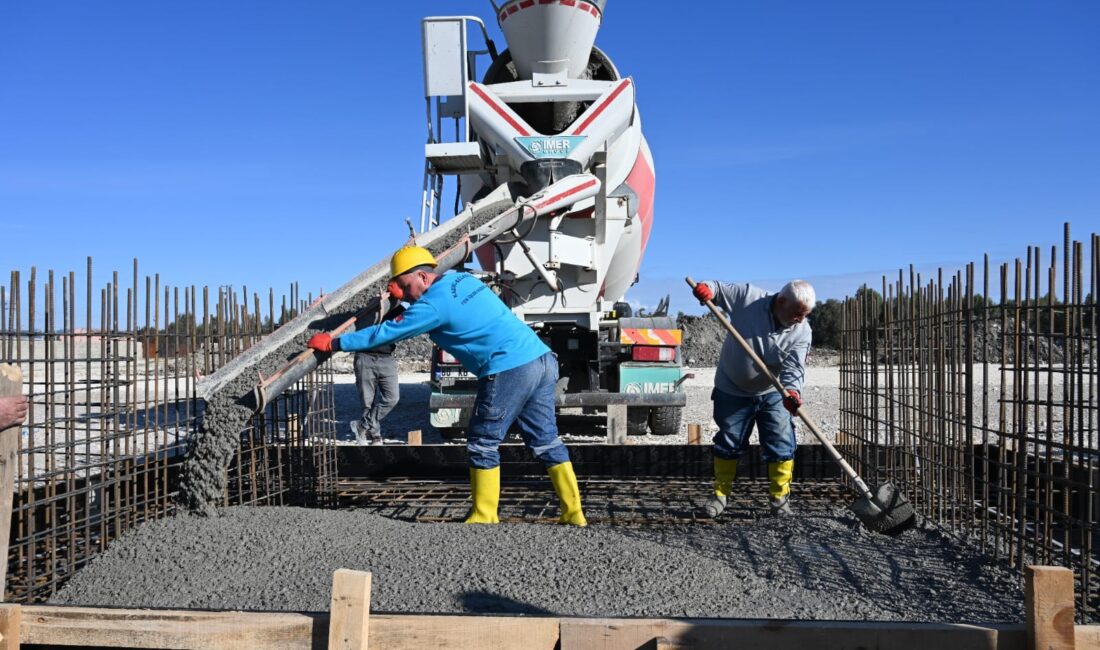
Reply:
x=135, y=628
x=10, y=616
x=404, y=632
x=1087, y=636
x=11, y=383
x=616, y=424
x=349, y=610
x=708, y=634
x=1048, y=599
x=142, y=628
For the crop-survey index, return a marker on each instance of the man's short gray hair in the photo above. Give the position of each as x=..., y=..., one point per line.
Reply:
x=427, y=268
x=801, y=292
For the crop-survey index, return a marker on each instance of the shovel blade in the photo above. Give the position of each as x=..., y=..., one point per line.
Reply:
x=888, y=512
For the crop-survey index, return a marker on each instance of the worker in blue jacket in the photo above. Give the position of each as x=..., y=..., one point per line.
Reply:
x=516, y=372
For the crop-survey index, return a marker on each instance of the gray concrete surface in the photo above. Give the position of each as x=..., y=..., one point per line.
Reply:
x=817, y=565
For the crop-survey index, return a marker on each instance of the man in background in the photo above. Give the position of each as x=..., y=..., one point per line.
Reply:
x=379, y=390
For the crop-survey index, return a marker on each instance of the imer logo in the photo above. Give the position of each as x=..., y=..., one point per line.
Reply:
x=650, y=387
x=550, y=146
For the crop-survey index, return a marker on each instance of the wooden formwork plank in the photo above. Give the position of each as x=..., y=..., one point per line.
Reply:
x=139, y=628
x=9, y=626
x=11, y=384
x=133, y=628
x=1048, y=599
x=349, y=611
x=713, y=634
x=402, y=632
x=1087, y=637
x=616, y=424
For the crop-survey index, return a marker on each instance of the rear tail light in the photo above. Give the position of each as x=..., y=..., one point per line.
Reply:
x=653, y=353
x=446, y=357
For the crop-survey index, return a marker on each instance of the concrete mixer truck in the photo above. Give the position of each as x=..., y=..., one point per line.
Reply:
x=552, y=183
x=548, y=112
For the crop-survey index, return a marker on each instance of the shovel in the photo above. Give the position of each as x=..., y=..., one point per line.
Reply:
x=885, y=510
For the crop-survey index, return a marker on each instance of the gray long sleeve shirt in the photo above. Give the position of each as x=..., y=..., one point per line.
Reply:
x=783, y=349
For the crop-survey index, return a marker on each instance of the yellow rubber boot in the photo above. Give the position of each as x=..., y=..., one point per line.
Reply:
x=779, y=486
x=485, y=492
x=724, y=473
x=569, y=493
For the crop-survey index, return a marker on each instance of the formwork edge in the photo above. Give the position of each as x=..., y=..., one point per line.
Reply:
x=228, y=630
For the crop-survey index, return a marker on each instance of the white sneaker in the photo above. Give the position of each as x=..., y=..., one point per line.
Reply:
x=361, y=436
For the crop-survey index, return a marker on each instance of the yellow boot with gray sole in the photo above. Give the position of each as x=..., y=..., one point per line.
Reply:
x=569, y=494
x=724, y=473
x=779, y=487
x=485, y=493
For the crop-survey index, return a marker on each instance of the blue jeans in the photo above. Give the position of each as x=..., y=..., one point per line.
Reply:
x=735, y=416
x=524, y=395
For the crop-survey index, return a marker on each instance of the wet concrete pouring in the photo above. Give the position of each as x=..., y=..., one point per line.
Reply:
x=817, y=565
x=227, y=411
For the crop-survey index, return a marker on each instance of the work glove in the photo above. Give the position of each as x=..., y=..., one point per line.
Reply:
x=323, y=342
x=703, y=293
x=792, y=401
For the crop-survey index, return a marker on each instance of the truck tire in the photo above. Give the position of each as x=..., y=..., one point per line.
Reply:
x=665, y=420
x=637, y=420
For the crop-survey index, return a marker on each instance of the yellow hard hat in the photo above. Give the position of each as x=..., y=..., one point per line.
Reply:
x=410, y=257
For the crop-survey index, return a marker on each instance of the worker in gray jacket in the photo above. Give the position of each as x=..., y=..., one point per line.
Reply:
x=776, y=328
x=379, y=389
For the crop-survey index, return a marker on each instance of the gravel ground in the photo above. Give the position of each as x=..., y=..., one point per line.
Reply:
x=815, y=566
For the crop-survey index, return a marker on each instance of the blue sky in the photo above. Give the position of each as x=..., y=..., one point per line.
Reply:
x=259, y=143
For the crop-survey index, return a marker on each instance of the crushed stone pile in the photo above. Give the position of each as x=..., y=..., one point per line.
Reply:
x=704, y=336
x=817, y=565
x=702, y=340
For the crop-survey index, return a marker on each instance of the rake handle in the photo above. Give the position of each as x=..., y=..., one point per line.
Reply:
x=763, y=368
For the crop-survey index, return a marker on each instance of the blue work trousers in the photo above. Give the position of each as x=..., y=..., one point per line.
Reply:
x=735, y=416
x=379, y=389
x=525, y=396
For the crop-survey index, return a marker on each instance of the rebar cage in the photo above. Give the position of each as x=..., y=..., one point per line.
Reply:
x=977, y=398
x=110, y=374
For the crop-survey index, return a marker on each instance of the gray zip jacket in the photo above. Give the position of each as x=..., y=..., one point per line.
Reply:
x=784, y=350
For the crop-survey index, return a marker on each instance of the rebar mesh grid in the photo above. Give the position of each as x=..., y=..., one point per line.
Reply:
x=110, y=374
x=618, y=501
x=978, y=398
